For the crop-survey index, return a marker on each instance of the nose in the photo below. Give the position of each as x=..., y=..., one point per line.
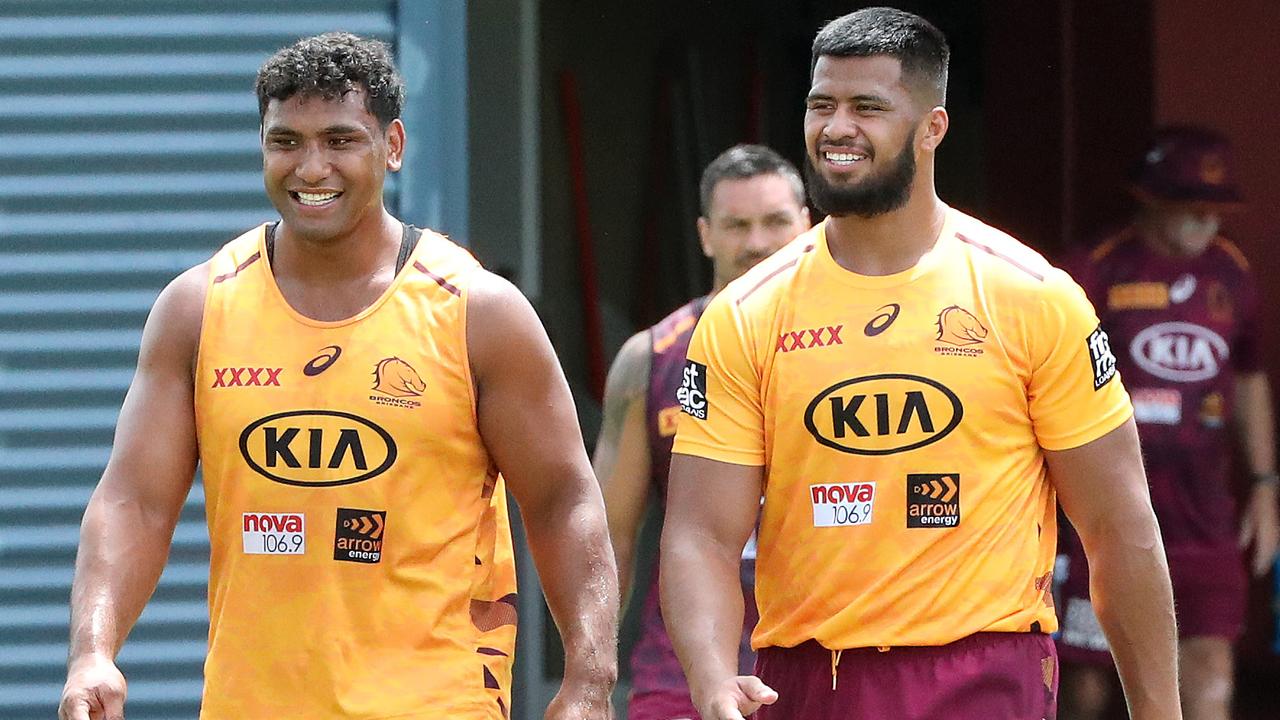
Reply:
x=842, y=125
x=313, y=164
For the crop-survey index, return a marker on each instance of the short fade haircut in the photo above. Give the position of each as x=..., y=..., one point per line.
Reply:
x=742, y=162
x=919, y=46
x=329, y=66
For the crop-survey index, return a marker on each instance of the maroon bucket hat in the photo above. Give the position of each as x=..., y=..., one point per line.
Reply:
x=1188, y=164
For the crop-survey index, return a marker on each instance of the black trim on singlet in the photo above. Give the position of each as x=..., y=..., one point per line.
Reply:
x=409, y=237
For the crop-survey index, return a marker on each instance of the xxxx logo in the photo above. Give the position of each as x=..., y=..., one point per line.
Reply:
x=809, y=338
x=246, y=377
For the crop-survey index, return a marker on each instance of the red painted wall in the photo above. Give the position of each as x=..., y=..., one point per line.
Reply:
x=1215, y=64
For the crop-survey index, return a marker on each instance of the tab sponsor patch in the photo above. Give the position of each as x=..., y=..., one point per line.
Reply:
x=274, y=533
x=1104, y=361
x=842, y=504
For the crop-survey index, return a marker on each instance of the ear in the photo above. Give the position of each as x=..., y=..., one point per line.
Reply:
x=704, y=229
x=395, y=145
x=804, y=217
x=935, y=128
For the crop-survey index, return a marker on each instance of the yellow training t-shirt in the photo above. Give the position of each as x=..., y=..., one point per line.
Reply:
x=361, y=557
x=900, y=420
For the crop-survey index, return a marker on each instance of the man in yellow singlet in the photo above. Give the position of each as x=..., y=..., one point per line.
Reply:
x=359, y=393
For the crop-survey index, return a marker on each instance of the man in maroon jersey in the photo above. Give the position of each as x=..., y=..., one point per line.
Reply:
x=1180, y=306
x=752, y=204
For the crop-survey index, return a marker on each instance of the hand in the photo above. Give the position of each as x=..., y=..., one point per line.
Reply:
x=95, y=690
x=1260, y=527
x=736, y=698
x=578, y=700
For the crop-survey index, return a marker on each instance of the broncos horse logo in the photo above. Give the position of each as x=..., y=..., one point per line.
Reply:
x=396, y=378
x=957, y=326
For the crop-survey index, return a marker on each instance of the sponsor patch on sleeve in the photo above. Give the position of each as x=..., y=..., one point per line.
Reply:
x=692, y=394
x=1104, y=361
x=274, y=533
x=842, y=504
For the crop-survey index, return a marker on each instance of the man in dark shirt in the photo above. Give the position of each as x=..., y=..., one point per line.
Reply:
x=1181, y=308
x=752, y=204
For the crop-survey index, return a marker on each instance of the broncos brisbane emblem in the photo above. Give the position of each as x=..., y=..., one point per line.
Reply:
x=957, y=326
x=393, y=376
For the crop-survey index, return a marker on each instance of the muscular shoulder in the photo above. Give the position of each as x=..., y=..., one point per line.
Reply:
x=1001, y=258
x=500, y=325
x=629, y=373
x=173, y=328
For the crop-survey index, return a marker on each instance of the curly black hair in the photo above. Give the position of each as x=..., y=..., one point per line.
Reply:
x=329, y=66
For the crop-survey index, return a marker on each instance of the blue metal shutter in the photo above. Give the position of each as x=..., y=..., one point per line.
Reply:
x=129, y=153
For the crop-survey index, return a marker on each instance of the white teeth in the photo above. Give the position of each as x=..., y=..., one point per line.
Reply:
x=843, y=158
x=316, y=198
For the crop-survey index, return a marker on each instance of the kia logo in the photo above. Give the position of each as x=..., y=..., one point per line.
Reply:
x=1179, y=351
x=883, y=414
x=317, y=448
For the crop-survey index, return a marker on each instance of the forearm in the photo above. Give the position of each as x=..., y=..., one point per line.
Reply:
x=570, y=546
x=702, y=603
x=1130, y=588
x=123, y=549
x=1255, y=422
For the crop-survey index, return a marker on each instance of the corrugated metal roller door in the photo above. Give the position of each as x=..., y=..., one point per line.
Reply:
x=130, y=152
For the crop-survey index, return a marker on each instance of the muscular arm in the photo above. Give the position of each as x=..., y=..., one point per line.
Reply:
x=621, y=459
x=129, y=522
x=1103, y=490
x=711, y=511
x=527, y=420
x=1255, y=423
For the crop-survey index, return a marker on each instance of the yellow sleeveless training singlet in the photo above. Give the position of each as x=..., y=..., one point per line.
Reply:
x=361, y=554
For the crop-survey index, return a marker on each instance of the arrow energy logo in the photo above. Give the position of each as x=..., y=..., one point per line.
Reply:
x=933, y=500
x=358, y=537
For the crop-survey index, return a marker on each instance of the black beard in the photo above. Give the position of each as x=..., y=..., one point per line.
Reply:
x=873, y=196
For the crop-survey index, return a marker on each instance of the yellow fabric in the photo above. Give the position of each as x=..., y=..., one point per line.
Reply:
x=397, y=601
x=828, y=378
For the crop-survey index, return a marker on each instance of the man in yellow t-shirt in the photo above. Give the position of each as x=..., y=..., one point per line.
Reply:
x=910, y=390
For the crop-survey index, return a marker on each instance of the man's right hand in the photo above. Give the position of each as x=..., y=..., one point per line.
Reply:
x=736, y=698
x=95, y=690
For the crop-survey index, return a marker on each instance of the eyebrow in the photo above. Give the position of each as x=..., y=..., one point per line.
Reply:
x=865, y=97
x=331, y=130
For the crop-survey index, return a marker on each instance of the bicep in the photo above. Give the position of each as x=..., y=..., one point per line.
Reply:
x=718, y=501
x=525, y=412
x=1101, y=484
x=153, y=457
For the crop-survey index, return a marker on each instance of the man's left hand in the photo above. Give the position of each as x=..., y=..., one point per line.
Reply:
x=1260, y=527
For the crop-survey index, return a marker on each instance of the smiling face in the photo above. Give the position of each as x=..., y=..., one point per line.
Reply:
x=324, y=162
x=860, y=127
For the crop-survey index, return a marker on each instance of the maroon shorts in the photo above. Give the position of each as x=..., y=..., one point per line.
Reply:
x=1210, y=596
x=661, y=706
x=1010, y=676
